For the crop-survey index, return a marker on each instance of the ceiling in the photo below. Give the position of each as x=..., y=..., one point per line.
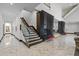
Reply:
x=12, y=10
x=18, y=6
x=67, y=7
x=9, y=11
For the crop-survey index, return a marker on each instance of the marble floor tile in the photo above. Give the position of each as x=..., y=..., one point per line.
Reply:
x=60, y=46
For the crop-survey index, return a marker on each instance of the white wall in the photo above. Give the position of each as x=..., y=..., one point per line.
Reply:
x=17, y=22
x=26, y=15
x=1, y=26
x=56, y=11
x=9, y=15
x=16, y=29
x=43, y=7
x=72, y=22
x=55, y=25
x=73, y=17
x=33, y=18
x=72, y=27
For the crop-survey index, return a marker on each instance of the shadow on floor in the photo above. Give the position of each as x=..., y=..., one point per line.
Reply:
x=76, y=52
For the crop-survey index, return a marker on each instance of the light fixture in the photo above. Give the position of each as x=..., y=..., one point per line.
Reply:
x=11, y=4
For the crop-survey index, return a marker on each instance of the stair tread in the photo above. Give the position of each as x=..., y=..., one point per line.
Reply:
x=33, y=42
x=31, y=29
x=32, y=33
x=34, y=39
x=31, y=36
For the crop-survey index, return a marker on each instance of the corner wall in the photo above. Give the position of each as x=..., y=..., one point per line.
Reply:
x=1, y=27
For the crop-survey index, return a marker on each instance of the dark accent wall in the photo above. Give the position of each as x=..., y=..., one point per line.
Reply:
x=61, y=27
x=44, y=24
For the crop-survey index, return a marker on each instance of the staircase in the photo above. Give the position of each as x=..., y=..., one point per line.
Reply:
x=33, y=37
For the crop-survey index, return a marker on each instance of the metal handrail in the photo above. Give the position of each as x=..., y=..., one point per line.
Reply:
x=27, y=30
x=26, y=26
x=35, y=30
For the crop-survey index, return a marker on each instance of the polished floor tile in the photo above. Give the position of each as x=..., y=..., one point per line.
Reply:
x=60, y=46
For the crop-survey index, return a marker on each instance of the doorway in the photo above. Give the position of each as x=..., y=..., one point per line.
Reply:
x=7, y=28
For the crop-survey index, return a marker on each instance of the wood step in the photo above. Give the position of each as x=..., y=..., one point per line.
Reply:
x=32, y=36
x=34, y=39
x=31, y=29
x=34, y=42
x=33, y=33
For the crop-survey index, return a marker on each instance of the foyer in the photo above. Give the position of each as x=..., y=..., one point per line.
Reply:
x=39, y=29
